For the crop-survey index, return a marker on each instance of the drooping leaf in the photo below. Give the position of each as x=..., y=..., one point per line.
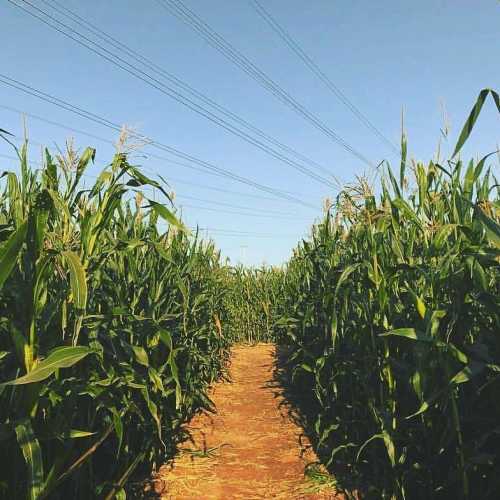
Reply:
x=470, y=371
x=167, y=215
x=474, y=114
x=409, y=333
x=60, y=357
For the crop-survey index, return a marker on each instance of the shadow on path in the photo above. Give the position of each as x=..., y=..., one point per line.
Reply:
x=302, y=407
x=253, y=447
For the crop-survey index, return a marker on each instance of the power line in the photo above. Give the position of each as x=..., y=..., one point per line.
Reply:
x=146, y=154
x=230, y=231
x=57, y=124
x=220, y=190
x=232, y=212
x=140, y=58
x=297, y=49
x=166, y=90
x=88, y=134
x=181, y=205
x=10, y=157
x=251, y=211
x=256, y=213
x=236, y=233
x=238, y=207
x=186, y=15
x=205, y=166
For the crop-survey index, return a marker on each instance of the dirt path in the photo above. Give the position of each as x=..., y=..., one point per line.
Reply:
x=251, y=448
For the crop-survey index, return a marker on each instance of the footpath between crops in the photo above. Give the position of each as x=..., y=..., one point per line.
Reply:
x=251, y=448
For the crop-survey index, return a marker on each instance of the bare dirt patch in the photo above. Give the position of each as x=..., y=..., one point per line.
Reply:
x=249, y=449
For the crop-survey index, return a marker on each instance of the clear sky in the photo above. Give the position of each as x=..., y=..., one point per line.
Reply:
x=429, y=58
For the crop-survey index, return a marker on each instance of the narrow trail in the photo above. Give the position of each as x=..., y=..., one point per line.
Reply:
x=253, y=448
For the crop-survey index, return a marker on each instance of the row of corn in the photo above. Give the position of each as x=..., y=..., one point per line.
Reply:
x=110, y=328
x=392, y=318
x=252, y=302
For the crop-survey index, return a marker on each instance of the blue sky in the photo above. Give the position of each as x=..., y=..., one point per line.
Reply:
x=429, y=58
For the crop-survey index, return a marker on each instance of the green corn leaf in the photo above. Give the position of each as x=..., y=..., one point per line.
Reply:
x=389, y=445
x=78, y=279
x=428, y=403
x=10, y=251
x=87, y=156
x=22, y=348
x=175, y=375
x=419, y=304
x=367, y=442
x=306, y=367
x=442, y=234
x=407, y=211
x=470, y=371
x=491, y=226
x=479, y=276
x=474, y=114
x=409, y=333
x=479, y=167
x=139, y=179
x=77, y=434
x=141, y=355
x=32, y=453
x=337, y=450
x=402, y=168
x=334, y=327
x=183, y=288
x=121, y=494
x=326, y=432
x=434, y=321
x=168, y=215
x=473, y=369
x=345, y=274
x=164, y=253
x=74, y=434
x=166, y=338
x=118, y=426
x=153, y=410
x=394, y=182
x=60, y=357
x=453, y=351
x=156, y=380
x=469, y=178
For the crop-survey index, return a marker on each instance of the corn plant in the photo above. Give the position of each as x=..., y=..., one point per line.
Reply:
x=109, y=329
x=252, y=302
x=392, y=316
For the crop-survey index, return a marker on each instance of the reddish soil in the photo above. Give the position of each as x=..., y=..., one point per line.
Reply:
x=250, y=448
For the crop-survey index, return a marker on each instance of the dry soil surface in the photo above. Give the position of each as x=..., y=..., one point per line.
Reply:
x=250, y=448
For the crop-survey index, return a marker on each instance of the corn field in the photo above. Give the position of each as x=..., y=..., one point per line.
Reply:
x=393, y=318
x=112, y=329
x=252, y=303
x=109, y=333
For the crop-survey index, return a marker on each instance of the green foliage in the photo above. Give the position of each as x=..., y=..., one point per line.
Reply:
x=392, y=316
x=252, y=303
x=112, y=329
x=108, y=338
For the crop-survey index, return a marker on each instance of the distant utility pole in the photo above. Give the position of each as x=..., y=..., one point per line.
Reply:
x=243, y=253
